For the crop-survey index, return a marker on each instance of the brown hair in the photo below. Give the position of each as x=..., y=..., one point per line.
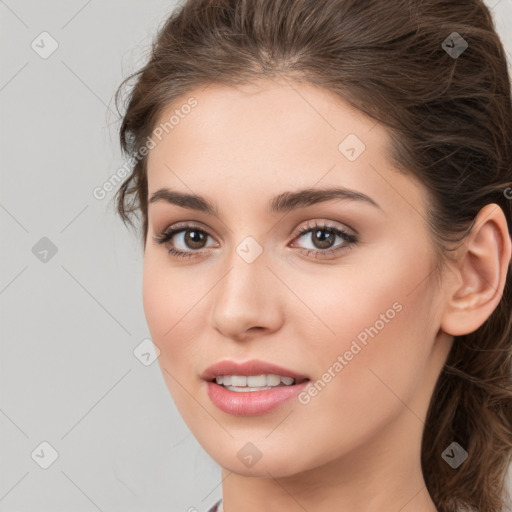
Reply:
x=450, y=123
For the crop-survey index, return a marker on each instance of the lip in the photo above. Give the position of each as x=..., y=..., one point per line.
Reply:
x=251, y=403
x=252, y=367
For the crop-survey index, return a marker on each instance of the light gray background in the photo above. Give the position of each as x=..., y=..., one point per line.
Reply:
x=70, y=324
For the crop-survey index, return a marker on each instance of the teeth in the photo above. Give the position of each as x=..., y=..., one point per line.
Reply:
x=271, y=380
x=254, y=381
x=246, y=389
x=238, y=381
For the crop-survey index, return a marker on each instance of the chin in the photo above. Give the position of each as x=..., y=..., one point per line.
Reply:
x=276, y=460
x=278, y=467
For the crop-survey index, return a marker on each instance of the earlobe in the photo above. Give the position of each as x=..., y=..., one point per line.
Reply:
x=481, y=272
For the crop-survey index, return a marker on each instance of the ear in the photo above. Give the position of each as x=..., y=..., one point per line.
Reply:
x=479, y=274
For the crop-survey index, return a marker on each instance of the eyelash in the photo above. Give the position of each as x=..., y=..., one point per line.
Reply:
x=350, y=239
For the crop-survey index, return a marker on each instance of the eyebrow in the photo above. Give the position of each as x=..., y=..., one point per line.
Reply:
x=284, y=202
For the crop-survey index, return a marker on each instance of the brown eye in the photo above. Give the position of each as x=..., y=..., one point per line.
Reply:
x=321, y=240
x=183, y=241
x=194, y=238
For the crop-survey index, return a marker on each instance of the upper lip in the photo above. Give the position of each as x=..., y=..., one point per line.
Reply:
x=252, y=367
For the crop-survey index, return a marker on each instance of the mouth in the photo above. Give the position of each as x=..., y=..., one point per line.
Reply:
x=252, y=388
x=251, y=375
x=252, y=383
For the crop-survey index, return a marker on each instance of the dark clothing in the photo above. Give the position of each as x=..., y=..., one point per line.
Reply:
x=215, y=507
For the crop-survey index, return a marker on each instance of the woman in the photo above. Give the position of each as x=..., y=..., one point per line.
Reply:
x=325, y=194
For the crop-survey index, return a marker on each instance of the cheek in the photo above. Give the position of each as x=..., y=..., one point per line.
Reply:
x=166, y=294
x=166, y=300
x=363, y=294
x=162, y=302
x=175, y=311
x=374, y=380
x=383, y=331
x=157, y=298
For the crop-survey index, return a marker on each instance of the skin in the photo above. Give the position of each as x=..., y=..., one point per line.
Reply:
x=356, y=445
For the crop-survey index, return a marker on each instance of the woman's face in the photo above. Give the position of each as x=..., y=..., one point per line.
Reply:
x=358, y=313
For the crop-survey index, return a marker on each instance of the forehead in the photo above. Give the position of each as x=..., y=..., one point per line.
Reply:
x=269, y=136
x=273, y=113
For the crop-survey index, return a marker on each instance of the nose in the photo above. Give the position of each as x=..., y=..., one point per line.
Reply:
x=247, y=300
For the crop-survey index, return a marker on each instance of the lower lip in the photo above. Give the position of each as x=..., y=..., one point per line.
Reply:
x=252, y=403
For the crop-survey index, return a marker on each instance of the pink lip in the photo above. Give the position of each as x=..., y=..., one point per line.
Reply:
x=252, y=367
x=251, y=403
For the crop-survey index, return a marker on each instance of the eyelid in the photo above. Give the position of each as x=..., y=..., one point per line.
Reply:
x=172, y=230
x=182, y=226
x=321, y=223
